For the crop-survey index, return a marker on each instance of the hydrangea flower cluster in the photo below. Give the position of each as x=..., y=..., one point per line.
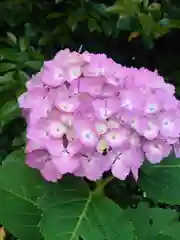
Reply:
x=87, y=115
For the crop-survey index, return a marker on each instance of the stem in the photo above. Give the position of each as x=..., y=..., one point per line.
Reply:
x=100, y=185
x=107, y=180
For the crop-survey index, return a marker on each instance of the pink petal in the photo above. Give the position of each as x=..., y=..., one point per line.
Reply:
x=74, y=147
x=32, y=97
x=152, y=130
x=131, y=99
x=31, y=146
x=69, y=104
x=156, y=150
x=120, y=170
x=105, y=108
x=41, y=110
x=50, y=173
x=54, y=146
x=117, y=138
x=65, y=163
x=37, y=159
x=152, y=104
x=86, y=133
x=52, y=75
x=73, y=73
x=177, y=149
x=94, y=168
x=56, y=129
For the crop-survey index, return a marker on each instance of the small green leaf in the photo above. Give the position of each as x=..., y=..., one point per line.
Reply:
x=18, y=212
x=23, y=76
x=145, y=3
x=123, y=23
x=100, y=7
x=161, y=181
x=12, y=37
x=36, y=65
x=8, y=54
x=23, y=43
x=7, y=78
x=125, y=7
x=147, y=23
x=107, y=28
x=75, y=18
x=72, y=212
x=8, y=112
x=92, y=25
x=4, y=67
x=154, y=7
x=72, y=23
x=155, y=221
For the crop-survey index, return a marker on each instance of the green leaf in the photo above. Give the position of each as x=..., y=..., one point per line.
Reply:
x=69, y=209
x=147, y=23
x=7, y=78
x=36, y=65
x=123, y=23
x=4, y=67
x=154, y=7
x=18, y=212
x=92, y=25
x=125, y=7
x=75, y=18
x=145, y=3
x=12, y=37
x=152, y=222
x=72, y=23
x=100, y=7
x=72, y=212
x=23, y=43
x=23, y=76
x=8, y=112
x=8, y=54
x=161, y=181
x=107, y=28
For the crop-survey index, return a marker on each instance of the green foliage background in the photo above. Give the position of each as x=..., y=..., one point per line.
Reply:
x=133, y=32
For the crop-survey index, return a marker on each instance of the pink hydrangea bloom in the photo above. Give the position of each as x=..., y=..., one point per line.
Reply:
x=87, y=115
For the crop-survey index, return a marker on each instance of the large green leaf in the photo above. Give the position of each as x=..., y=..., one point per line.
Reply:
x=152, y=222
x=72, y=212
x=18, y=194
x=161, y=181
x=69, y=209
